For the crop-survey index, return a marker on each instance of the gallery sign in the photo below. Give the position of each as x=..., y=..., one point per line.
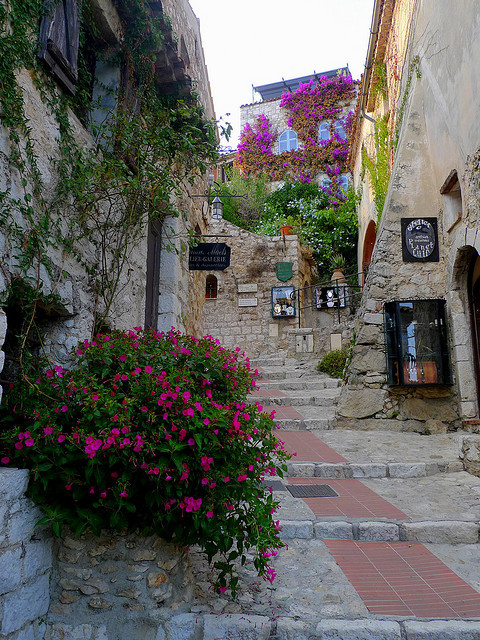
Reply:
x=419, y=240
x=209, y=256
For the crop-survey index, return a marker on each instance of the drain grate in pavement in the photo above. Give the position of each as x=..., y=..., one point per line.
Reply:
x=312, y=491
x=275, y=484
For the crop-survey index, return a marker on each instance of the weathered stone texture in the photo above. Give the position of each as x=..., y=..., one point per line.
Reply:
x=253, y=262
x=362, y=403
x=25, y=561
x=117, y=573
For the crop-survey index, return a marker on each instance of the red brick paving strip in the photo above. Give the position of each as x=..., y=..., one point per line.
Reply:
x=282, y=412
x=268, y=393
x=308, y=447
x=355, y=500
x=402, y=578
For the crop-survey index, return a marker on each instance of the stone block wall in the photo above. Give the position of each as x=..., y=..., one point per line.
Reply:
x=253, y=263
x=117, y=586
x=25, y=561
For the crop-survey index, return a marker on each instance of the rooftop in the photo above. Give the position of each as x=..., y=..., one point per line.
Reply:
x=275, y=89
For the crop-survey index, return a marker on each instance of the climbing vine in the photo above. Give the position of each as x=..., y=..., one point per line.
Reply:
x=309, y=106
x=413, y=69
x=378, y=167
x=91, y=198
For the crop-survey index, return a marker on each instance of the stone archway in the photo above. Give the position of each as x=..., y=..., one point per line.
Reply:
x=474, y=305
x=464, y=303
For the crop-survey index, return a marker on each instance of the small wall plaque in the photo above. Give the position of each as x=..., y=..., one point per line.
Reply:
x=419, y=240
x=247, y=288
x=247, y=302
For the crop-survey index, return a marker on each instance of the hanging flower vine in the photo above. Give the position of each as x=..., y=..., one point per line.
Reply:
x=308, y=107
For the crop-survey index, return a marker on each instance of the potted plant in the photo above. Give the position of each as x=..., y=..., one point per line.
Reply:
x=290, y=226
x=338, y=265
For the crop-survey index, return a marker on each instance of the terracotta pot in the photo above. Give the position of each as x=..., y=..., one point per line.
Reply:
x=286, y=230
x=338, y=276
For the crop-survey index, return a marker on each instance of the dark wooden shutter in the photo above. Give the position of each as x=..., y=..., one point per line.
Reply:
x=59, y=38
x=154, y=246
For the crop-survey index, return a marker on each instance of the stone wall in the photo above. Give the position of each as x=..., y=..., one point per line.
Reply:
x=253, y=266
x=367, y=402
x=435, y=173
x=25, y=561
x=123, y=585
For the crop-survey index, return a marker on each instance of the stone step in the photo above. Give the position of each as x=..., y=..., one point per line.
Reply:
x=312, y=599
x=287, y=384
x=322, y=398
x=210, y=626
x=306, y=424
x=288, y=401
x=427, y=531
x=345, y=470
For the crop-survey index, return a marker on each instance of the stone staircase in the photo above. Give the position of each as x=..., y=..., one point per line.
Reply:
x=390, y=553
x=310, y=396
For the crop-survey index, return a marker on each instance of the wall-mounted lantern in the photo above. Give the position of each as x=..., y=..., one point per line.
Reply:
x=213, y=195
x=416, y=342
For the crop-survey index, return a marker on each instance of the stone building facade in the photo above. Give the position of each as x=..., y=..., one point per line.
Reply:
x=239, y=311
x=424, y=255
x=287, y=138
x=148, y=291
x=155, y=287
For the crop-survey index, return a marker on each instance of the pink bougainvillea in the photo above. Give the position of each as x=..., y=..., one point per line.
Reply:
x=309, y=106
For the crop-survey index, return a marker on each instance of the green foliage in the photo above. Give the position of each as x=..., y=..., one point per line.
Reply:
x=150, y=432
x=379, y=81
x=379, y=167
x=106, y=192
x=325, y=227
x=244, y=212
x=333, y=363
x=285, y=200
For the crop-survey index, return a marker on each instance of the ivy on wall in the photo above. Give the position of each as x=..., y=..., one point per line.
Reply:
x=103, y=193
x=378, y=167
x=309, y=106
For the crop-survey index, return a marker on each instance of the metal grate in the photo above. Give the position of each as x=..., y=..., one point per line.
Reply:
x=275, y=484
x=312, y=491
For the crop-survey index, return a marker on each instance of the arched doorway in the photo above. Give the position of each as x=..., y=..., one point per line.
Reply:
x=368, y=244
x=474, y=299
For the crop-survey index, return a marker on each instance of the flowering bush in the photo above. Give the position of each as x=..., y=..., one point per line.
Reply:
x=310, y=105
x=151, y=432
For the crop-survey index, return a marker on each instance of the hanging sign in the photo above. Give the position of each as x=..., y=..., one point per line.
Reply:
x=419, y=240
x=329, y=297
x=284, y=270
x=209, y=256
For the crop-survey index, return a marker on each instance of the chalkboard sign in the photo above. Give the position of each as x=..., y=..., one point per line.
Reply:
x=209, y=256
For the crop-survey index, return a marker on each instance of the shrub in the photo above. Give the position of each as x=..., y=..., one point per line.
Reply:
x=151, y=433
x=334, y=363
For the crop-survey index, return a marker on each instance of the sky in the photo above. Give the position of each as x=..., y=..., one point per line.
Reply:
x=256, y=42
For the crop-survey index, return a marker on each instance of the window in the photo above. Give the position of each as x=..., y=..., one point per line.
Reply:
x=340, y=129
x=416, y=342
x=324, y=131
x=211, y=287
x=59, y=35
x=343, y=182
x=287, y=141
x=452, y=201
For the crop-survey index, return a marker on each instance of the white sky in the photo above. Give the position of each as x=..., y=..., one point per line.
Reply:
x=256, y=42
